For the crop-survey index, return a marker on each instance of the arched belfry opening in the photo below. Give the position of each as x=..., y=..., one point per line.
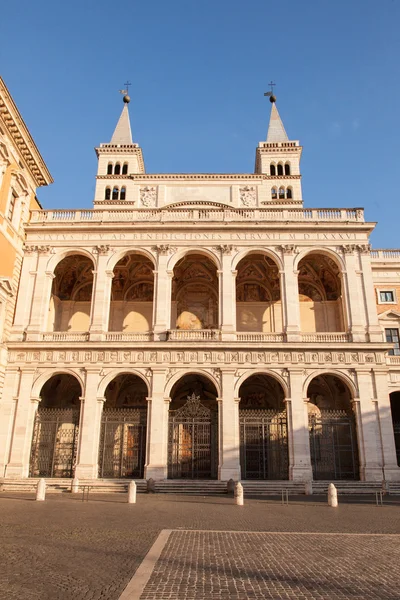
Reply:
x=122, y=447
x=56, y=427
x=263, y=429
x=194, y=293
x=258, y=298
x=395, y=410
x=193, y=429
x=71, y=294
x=132, y=289
x=332, y=428
x=320, y=294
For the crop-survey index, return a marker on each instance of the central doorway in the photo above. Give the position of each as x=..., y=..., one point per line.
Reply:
x=193, y=430
x=263, y=429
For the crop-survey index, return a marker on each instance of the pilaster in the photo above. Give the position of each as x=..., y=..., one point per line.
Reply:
x=351, y=283
x=290, y=295
x=89, y=427
x=100, y=308
x=157, y=428
x=24, y=305
x=162, y=294
x=41, y=295
x=298, y=435
x=374, y=330
x=368, y=436
x=7, y=414
x=229, y=436
x=384, y=418
x=227, y=295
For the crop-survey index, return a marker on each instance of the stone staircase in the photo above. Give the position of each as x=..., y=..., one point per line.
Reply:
x=199, y=487
x=272, y=488
x=348, y=487
x=97, y=486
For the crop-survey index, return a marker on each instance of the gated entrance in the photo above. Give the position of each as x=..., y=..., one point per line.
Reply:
x=263, y=444
x=333, y=445
x=192, y=441
x=395, y=410
x=54, y=445
x=123, y=442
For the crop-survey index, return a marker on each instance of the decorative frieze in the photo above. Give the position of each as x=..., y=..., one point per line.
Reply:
x=248, y=196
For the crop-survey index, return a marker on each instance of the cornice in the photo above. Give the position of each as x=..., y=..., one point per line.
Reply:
x=22, y=139
x=122, y=149
x=198, y=176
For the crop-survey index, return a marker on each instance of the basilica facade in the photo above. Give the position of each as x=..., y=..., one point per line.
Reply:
x=203, y=326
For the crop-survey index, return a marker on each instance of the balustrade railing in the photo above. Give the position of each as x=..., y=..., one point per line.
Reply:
x=186, y=335
x=393, y=360
x=131, y=336
x=65, y=336
x=326, y=336
x=255, y=336
x=197, y=214
x=386, y=254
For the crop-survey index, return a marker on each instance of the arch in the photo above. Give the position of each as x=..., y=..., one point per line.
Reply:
x=117, y=256
x=115, y=193
x=273, y=170
x=101, y=390
x=125, y=169
x=267, y=372
x=44, y=377
x=280, y=169
x=320, y=250
x=57, y=258
x=109, y=168
x=117, y=169
x=287, y=168
x=122, y=195
x=335, y=373
x=266, y=251
x=107, y=193
x=180, y=375
x=289, y=193
x=274, y=193
x=281, y=193
x=175, y=258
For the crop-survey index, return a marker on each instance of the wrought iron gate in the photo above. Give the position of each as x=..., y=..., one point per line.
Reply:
x=192, y=441
x=333, y=445
x=54, y=444
x=123, y=442
x=263, y=444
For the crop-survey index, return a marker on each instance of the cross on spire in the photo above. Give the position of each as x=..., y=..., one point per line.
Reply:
x=270, y=94
x=125, y=91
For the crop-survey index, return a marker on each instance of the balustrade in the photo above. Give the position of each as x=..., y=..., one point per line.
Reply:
x=65, y=336
x=326, y=336
x=178, y=335
x=255, y=336
x=134, y=336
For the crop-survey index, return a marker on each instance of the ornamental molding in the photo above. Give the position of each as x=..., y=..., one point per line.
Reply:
x=148, y=196
x=288, y=249
x=38, y=250
x=198, y=176
x=248, y=196
x=102, y=249
x=164, y=249
x=22, y=139
x=226, y=249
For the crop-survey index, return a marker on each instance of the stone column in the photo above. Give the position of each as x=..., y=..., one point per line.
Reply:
x=227, y=295
x=352, y=293
x=89, y=427
x=24, y=301
x=41, y=296
x=290, y=295
x=162, y=294
x=298, y=435
x=157, y=428
x=374, y=329
x=368, y=437
x=101, y=295
x=228, y=426
x=384, y=418
x=18, y=465
x=7, y=414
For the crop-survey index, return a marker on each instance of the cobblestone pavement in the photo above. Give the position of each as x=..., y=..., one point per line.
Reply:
x=65, y=549
x=208, y=565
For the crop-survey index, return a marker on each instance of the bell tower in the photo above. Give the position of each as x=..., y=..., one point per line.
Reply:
x=117, y=161
x=279, y=159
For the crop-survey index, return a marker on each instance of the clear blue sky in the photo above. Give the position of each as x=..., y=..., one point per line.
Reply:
x=198, y=73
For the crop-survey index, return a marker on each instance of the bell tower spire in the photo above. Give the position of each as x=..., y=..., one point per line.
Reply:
x=279, y=159
x=118, y=161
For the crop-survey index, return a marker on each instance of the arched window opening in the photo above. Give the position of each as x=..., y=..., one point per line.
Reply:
x=320, y=294
x=122, y=448
x=109, y=169
x=263, y=429
x=71, y=295
x=115, y=193
x=258, y=299
x=122, y=194
x=280, y=169
x=193, y=429
x=273, y=170
x=395, y=410
x=131, y=306
x=287, y=169
x=107, y=194
x=289, y=193
x=117, y=169
x=281, y=193
x=56, y=428
x=125, y=169
x=274, y=193
x=332, y=429
x=194, y=293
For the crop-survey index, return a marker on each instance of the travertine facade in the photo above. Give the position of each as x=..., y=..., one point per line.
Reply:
x=200, y=326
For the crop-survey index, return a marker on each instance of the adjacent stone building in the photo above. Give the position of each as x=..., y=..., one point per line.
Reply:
x=202, y=326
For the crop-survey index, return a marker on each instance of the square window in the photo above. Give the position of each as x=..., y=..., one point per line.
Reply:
x=386, y=296
x=392, y=336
